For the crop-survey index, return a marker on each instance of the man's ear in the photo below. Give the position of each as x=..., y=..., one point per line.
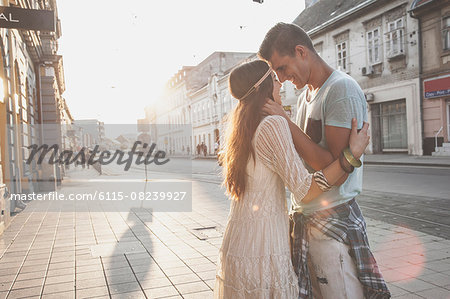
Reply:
x=300, y=51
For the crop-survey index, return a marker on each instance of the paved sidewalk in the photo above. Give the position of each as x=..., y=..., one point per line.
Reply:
x=404, y=159
x=138, y=254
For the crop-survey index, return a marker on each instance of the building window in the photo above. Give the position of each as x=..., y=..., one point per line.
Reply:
x=373, y=46
x=395, y=38
x=342, y=56
x=446, y=33
x=389, y=126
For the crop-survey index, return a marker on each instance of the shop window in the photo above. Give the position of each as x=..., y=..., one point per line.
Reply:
x=390, y=126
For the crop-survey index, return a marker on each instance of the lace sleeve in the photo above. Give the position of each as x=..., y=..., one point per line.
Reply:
x=275, y=147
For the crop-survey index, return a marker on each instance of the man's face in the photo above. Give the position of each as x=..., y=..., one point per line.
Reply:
x=276, y=89
x=292, y=68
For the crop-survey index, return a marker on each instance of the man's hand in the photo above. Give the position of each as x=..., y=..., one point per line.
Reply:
x=358, y=141
x=272, y=108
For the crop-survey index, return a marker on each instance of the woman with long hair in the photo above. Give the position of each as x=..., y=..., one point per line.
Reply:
x=259, y=161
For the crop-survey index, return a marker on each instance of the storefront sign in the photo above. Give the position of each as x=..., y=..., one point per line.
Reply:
x=437, y=87
x=29, y=19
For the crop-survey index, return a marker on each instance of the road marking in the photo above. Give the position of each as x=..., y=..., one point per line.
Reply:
x=409, y=217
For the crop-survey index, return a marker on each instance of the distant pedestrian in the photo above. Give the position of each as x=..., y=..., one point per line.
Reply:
x=75, y=162
x=205, y=149
x=86, y=157
x=216, y=147
x=82, y=158
x=198, y=149
x=97, y=166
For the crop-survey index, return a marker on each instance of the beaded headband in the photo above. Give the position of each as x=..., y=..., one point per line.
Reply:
x=257, y=84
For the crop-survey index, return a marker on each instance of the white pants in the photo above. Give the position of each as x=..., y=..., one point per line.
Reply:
x=332, y=270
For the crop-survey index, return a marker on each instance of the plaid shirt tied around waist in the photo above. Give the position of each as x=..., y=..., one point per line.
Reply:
x=344, y=223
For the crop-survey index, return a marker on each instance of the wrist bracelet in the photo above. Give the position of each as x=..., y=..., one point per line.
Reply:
x=350, y=158
x=347, y=168
x=321, y=181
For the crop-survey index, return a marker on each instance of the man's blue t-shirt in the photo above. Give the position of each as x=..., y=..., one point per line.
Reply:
x=338, y=101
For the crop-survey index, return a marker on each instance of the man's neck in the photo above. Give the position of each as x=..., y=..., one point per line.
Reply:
x=319, y=74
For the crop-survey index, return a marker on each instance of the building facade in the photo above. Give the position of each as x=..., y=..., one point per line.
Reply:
x=434, y=28
x=195, y=105
x=375, y=42
x=31, y=84
x=88, y=132
x=210, y=99
x=171, y=119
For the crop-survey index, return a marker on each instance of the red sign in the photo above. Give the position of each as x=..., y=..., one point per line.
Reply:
x=437, y=87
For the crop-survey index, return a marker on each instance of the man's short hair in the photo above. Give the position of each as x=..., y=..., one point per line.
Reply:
x=283, y=37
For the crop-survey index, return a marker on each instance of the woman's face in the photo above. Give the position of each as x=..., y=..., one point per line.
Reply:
x=276, y=89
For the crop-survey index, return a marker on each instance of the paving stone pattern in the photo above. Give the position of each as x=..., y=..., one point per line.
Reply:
x=140, y=254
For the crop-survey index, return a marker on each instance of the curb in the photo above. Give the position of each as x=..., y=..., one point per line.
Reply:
x=422, y=164
x=406, y=164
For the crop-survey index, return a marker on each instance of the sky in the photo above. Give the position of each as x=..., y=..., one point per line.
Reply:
x=118, y=55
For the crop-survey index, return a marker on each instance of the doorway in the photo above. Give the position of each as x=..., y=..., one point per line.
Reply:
x=389, y=127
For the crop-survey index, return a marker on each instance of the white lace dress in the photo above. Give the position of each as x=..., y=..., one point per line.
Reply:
x=254, y=260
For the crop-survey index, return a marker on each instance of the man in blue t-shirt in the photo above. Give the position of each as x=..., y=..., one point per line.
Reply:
x=336, y=263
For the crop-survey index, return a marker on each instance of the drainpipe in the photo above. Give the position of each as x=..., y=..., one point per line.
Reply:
x=419, y=42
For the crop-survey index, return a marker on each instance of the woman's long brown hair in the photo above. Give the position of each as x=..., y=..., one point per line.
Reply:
x=245, y=118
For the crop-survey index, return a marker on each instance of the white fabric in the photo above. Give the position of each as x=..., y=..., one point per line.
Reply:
x=254, y=260
x=332, y=269
x=337, y=101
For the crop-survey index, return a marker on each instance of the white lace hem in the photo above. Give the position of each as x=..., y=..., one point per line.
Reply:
x=267, y=276
x=224, y=290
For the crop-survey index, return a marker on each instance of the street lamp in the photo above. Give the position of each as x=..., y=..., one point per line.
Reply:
x=259, y=1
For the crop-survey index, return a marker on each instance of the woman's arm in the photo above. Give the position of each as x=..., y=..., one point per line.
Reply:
x=314, y=155
x=276, y=149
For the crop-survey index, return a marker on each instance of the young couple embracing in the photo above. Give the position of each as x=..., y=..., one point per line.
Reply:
x=321, y=249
